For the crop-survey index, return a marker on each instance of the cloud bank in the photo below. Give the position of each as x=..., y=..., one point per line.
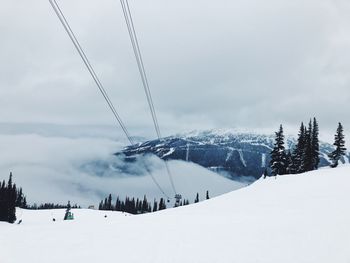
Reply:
x=211, y=64
x=84, y=170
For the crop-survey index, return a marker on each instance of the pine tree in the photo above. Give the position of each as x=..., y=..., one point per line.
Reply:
x=162, y=204
x=9, y=202
x=308, y=159
x=339, y=143
x=144, y=207
x=109, y=202
x=298, y=153
x=315, y=145
x=3, y=202
x=12, y=195
x=289, y=163
x=278, y=162
x=197, y=198
x=155, y=205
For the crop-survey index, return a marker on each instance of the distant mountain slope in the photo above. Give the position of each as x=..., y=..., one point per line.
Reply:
x=231, y=152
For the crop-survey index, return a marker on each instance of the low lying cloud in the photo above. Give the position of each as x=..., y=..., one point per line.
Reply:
x=84, y=170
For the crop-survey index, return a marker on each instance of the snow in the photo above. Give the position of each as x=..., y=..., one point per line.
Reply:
x=172, y=150
x=294, y=218
x=229, y=155
x=263, y=160
x=242, y=157
x=187, y=152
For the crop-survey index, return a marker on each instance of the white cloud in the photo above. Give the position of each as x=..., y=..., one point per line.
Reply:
x=247, y=64
x=84, y=170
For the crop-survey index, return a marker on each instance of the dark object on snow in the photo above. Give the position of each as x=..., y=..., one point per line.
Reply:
x=20, y=221
x=68, y=215
x=105, y=216
x=54, y=219
x=178, y=198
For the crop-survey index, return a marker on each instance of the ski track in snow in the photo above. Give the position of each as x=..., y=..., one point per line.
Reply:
x=242, y=157
x=187, y=152
x=229, y=155
x=263, y=160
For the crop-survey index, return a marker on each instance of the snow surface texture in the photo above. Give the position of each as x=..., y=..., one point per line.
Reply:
x=293, y=218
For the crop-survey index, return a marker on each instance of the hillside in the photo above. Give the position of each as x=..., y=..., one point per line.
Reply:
x=231, y=152
x=294, y=218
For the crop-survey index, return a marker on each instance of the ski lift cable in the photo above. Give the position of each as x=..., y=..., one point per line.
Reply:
x=133, y=37
x=86, y=61
x=156, y=182
x=88, y=65
x=137, y=52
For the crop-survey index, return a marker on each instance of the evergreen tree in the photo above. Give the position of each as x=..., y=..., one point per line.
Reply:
x=278, y=162
x=298, y=153
x=162, y=204
x=144, y=208
x=289, y=162
x=197, y=198
x=3, y=202
x=308, y=158
x=104, y=207
x=315, y=145
x=12, y=196
x=109, y=202
x=155, y=205
x=339, y=143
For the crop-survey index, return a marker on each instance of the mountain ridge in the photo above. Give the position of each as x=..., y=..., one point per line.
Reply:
x=231, y=152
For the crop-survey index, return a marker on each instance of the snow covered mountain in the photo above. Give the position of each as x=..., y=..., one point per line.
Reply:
x=293, y=218
x=226, y=151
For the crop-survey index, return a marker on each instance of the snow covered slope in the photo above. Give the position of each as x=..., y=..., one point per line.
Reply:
x=295, y=218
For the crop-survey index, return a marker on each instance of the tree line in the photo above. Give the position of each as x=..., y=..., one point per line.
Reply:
x=305, y=154
x=51, y=206
x=140, y=206
x=10, y=198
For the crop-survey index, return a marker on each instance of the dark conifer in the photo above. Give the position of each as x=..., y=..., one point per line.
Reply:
x=339, y=143
x=315, y=145
x=162, y=204
x=144, y=207
x=298, y=153
x=155, y=205
x=289, y=163
x=109, y=202
x=197, y=198
x=308, y=158
x=278, y=161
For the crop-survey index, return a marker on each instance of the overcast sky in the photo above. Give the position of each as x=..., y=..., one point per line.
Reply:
x=211, y=64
